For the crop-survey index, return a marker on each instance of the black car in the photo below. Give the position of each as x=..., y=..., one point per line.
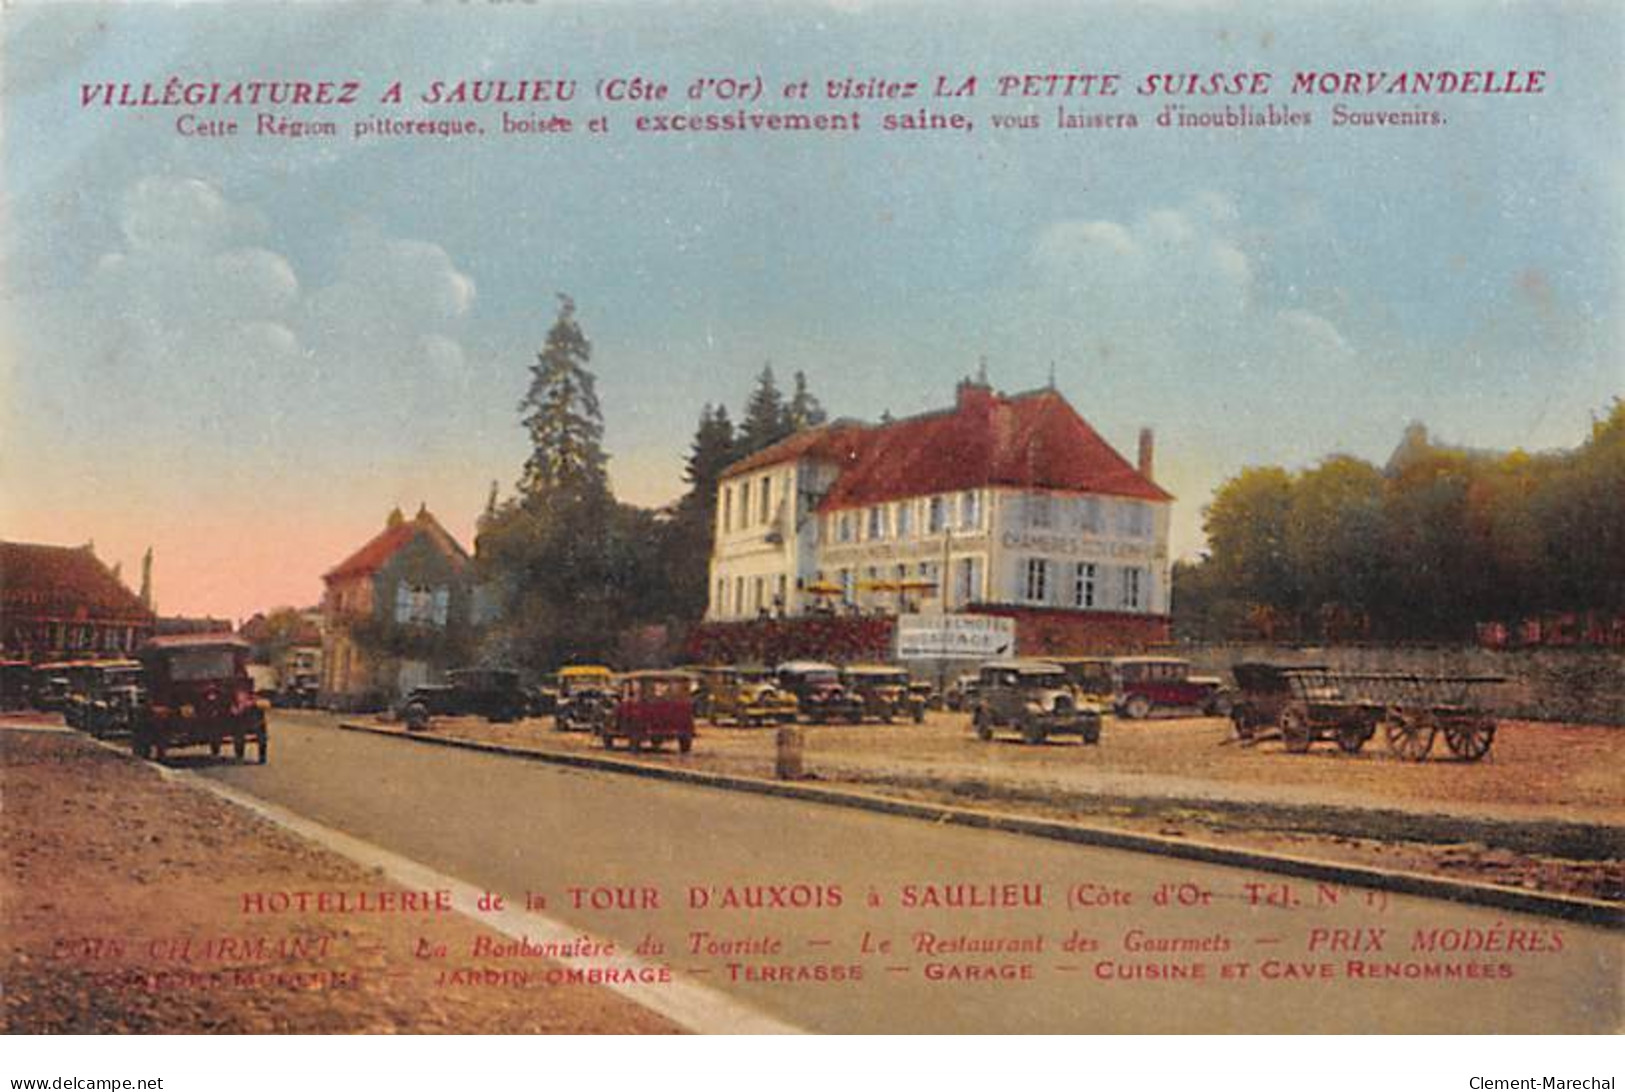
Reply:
x=820, y=697
x=106, y=698
x=492, y=693
x=1033, y=698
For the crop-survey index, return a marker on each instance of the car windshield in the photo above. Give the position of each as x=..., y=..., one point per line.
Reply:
x=1038, y=680
x=815, y=678
x=880, y=678
x=577, y=683
x=195, y=665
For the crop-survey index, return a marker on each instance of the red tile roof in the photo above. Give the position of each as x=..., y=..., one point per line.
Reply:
x=1025, y=441
x=391, y=540
x=62, y=581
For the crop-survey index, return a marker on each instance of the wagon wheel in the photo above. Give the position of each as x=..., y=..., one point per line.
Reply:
x=1351, y=737
x=1295, y=733
x=1469, y=738
x=1410, y=735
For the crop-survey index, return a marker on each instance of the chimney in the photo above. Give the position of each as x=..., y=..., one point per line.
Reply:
x=1147, y=449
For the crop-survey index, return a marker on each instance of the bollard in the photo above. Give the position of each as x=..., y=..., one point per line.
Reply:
x=787, y=757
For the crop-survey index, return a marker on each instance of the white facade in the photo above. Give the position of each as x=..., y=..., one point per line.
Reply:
x=996, y=546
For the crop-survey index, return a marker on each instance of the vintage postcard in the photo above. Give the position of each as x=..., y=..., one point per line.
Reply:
x=531, y=517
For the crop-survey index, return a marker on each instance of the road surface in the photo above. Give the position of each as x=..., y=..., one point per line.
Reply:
x=842, y=922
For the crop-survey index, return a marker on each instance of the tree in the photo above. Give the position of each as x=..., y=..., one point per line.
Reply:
x=804, y=411
x=1246, y=526
x=1335, y=540
x=567, y=464
x=766, y=419
x=685, y=545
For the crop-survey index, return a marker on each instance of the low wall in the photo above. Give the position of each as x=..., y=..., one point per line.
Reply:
x=1584, y=686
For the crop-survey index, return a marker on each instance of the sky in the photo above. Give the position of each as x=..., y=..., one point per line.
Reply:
x=243, y=352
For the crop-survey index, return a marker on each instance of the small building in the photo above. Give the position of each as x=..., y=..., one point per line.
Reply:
x=1007, y=505
x=397, y=613
x=61, y=603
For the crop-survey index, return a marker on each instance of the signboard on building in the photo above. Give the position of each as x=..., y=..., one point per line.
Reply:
x=955, y=637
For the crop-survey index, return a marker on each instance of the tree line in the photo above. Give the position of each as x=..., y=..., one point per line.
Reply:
x=576, y=573
x=1438, y=540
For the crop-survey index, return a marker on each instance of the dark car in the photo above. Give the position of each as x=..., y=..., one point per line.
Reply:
x=1035, y=699
x=198, y=693
x=16, y=684
x=107, y=697
x=490, y=692
x=51, y=687
x=820, y=697
x=297, y=692
x=885, y=692
x=586, y=698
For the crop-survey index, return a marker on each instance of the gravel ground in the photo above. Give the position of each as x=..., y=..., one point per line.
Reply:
x=1156, y=775
x=104, y=858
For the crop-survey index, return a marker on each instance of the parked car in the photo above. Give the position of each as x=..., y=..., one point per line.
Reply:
x=820, y=697
x=746, y=696
x=884, y=692
x=651, y=707
x=106, y=698
x=586, y=698
x=198, y=693
x=51, y=687
x=961, y=695
x=926, y=693
x=16, y=684
x=544, y=696
x=1035, y=699
x=1093, y=678
x=490, y=692
x=297, y=692
x=1144, y=684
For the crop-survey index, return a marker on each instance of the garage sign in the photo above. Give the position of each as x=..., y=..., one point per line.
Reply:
x=955, y=637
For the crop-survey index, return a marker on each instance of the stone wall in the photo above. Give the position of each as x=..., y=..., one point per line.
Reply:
x=1577, y=685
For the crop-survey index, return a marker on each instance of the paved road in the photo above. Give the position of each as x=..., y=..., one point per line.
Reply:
x=514, y=827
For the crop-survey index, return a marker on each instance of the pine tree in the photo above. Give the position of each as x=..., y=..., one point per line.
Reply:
x=804, y=411
x=765, y=416
x=710, y=452
x=567, y=464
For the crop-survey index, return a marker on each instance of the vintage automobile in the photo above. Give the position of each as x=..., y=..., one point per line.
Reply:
x=926, y=693
x=298, y=691
x=820, y=697
x=586, y=698
x=961, y=695
x=746, y=696
x=1035, y=699
x=16, y=684
x=1092, y=677
x=544, y=696
x=107, y=697
x=52, y=687
x=884, y=692
x=490, y=692
x=199, y=693
x=1143, y=684
x=651, y=707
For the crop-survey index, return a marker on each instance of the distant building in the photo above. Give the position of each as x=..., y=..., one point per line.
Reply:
x=397, y=613
x=292, y=648
x=61, y=602
x=1007, y=505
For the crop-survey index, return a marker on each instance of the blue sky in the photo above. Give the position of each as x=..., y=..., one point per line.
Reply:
x=245, y=351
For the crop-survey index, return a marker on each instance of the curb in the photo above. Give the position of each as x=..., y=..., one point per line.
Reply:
x=1571, y=908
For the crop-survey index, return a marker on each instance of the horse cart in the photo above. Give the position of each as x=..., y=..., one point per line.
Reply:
x=1306, y=704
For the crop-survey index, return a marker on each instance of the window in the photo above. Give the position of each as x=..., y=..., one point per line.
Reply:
x=970, y=509
x=720, y=606
x=843, y=527
x=1040, y=511
x=846, y=585
x=877, y=522
x=1133, y=580
x=767, y=499
x=442, y=605
x=759, y=594
x=421, y=606
x=905, y=519
x=1134, y=519
x=936, y=514
x=1036, y=588
x=1084, y=575
x=968, y=584
x=727, y=508
x=781, y=597
x=744, y=504
x=739, y=595
x=1091, y=520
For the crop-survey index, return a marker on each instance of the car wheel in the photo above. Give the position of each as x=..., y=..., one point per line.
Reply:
x=416, y=716
x=239, y=747
x=983, y=725
x=1033, y=733
x=1138, y=707
x=685, y=744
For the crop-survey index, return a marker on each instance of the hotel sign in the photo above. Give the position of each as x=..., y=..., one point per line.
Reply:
x=955, y=637
x=1087, y=549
